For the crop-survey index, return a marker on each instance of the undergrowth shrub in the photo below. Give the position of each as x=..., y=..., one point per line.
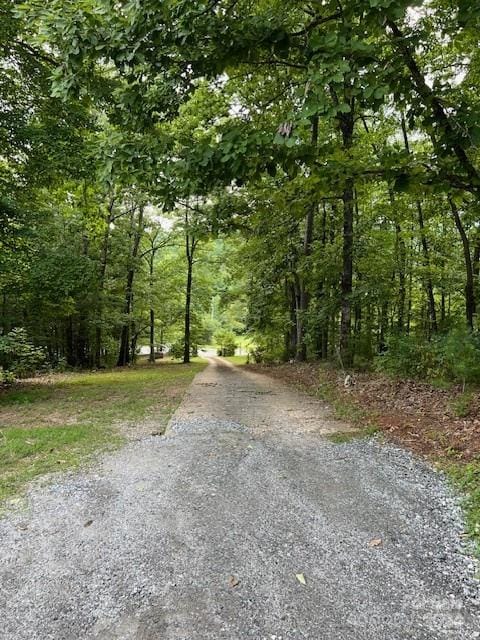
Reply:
x=454, y=357
x=268, y=350
x=225, y=341
x=19, y=357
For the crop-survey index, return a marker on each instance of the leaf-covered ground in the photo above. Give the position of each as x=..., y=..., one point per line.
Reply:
x=430, y=420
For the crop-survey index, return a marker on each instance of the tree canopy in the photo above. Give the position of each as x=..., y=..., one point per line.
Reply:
x=306, y=174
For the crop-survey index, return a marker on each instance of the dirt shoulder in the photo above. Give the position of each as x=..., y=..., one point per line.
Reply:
x=414, y=414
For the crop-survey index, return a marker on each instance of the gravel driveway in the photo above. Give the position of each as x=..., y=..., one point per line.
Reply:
x=208, y=533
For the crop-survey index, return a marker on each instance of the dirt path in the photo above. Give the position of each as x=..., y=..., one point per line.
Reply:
x=223, y=391
x=200, y=535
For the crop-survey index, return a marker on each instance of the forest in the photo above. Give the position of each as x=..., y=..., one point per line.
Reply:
x=301, y=177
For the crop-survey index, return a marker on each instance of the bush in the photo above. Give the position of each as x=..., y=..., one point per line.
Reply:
x=19, y=357
x=268, y=350
x=454, y=357
x=177, y=348
x=226, y=343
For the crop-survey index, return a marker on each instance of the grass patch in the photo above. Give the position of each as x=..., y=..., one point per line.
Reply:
x=466, y=478
x=347, y=436
x=238, y=360
x=462, y=404
x=28, y=453
x=55, y=422
x=343, y=408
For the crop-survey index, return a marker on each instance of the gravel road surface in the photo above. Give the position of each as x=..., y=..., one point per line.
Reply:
x=244, y=521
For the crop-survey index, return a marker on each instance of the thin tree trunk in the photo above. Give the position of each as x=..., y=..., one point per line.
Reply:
x=470, y=302
x=151, y=357
x=101, y=283
x=432, y=313
x=151, y=264
x=347, y=275
x=125, y=356
x=188, y=305
x=190, y=246
x=347, y=126
x=304, y=297
x=402, y=292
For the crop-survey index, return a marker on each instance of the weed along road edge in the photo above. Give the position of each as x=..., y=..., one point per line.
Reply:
x=244, y=521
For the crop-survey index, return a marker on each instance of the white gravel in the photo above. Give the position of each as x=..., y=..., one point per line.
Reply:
x=199, y=535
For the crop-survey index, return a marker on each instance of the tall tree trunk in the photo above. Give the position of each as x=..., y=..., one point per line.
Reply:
x=124, y=352
x=151, y=357
x=470, y=302
x=432, y=312
x=190, y=246
x=188, y=305
x=347, y=275
x=101, y=283
x=291, y=332
x=402, y=291
x=347, y=123
x=124, y=355
x=151, y=264
x=304, y=294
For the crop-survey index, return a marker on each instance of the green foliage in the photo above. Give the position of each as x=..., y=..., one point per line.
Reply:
x=19, y=358
x=454, y=357
x=177, y=350
x=268, y=349
x=226, y=342
x=462, y=404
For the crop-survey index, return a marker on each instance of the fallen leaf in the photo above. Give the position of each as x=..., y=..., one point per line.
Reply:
x=233, y=582
x=301, y=578
x=376, y=542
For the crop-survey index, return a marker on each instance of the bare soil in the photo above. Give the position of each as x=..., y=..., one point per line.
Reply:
x=410, y=413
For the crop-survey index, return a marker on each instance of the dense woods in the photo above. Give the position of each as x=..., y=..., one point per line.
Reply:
x=306, y=174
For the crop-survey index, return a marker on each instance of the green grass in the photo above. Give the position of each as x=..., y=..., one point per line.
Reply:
x=56, y=422
x=28, y=453
x=461, y=405
x=343, y=408
x=466, y=478
x=347, y=436
x=239, y=360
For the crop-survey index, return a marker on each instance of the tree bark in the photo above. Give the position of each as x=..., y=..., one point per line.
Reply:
x=151, y=264
x=304, y=294
x=470, y=302
x=425, y=249
x=101, y=283
x=151, y=357
x=188, y=302
x=347, y=123
x=125, y=355
x=190, y=246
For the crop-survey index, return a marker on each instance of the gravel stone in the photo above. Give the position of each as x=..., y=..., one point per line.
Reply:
x=200, y=534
